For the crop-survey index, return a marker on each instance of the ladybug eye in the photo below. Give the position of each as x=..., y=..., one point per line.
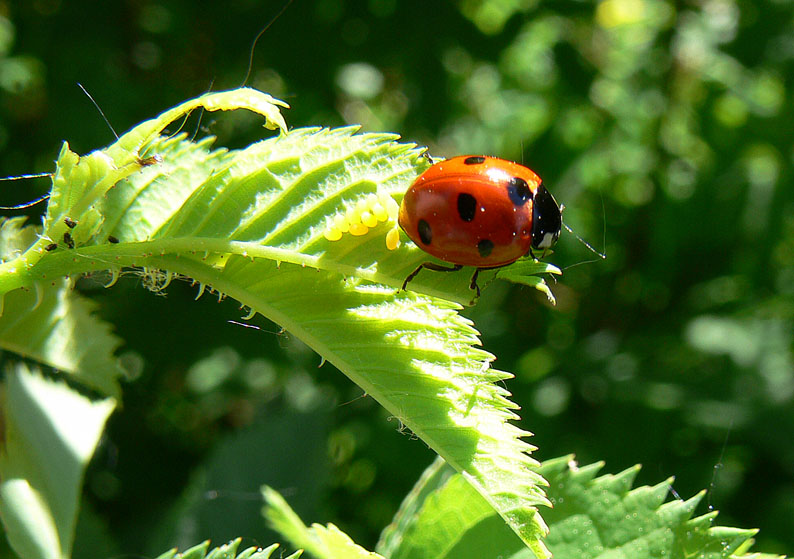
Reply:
x=467, y=206
x=518, y=191
x=474, y=160
x=546, y=219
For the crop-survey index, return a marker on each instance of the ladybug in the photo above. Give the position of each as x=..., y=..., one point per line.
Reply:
x=481, y=211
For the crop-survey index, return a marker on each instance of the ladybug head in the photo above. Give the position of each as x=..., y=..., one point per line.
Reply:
x=546, y=219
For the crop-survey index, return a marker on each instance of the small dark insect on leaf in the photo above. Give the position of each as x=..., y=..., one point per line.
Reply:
x=50, y=247
x=70, y=223
x=153, y=160
x=112, y=239
x=67, y=240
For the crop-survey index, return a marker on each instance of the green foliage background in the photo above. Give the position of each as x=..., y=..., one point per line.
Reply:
x=664, y=128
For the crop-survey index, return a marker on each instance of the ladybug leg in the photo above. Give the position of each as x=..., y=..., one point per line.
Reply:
x=430, y=266
x=535, y=256
x=473, y=285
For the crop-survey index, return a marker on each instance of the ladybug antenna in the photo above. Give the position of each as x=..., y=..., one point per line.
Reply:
x=28, y=176
x=585, y=243
x=201, y=116
x=600, y=255
x=143, y=162
x=98, y=108
x=24, y=205
x=256, y=40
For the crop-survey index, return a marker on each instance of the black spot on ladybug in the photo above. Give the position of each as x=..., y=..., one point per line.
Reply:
x=112, y=239
x=474, y=160
x=467, y=206
x=485, y=247
x=50, y=247
x=425, y=233
x=518, y=191
x=67, y=240
x=70, y=223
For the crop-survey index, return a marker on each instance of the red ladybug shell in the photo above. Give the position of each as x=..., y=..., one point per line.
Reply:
x=480, y=211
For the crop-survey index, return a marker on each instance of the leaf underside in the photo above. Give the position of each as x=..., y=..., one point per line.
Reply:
x=49, y=433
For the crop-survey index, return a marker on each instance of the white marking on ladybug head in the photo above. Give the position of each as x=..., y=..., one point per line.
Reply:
x=548, y=241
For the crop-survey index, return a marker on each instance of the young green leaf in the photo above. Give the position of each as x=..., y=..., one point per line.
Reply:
x=323, y=542
x=81, y=183
x=282, y=519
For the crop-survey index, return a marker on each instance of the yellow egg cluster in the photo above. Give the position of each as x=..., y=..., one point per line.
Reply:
x=366, y=214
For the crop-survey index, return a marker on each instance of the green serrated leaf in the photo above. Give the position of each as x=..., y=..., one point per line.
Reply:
x=253, y=224
x=50, y=433
x=196, y=552
x=529, y=272
x=593, y=517
x=226, y=551
x=414, y=355
x=54, y=325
